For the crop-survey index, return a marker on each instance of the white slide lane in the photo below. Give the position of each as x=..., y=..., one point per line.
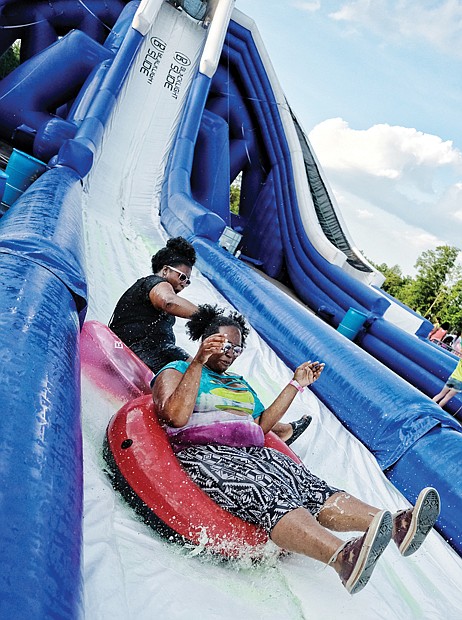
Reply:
x=129, y=571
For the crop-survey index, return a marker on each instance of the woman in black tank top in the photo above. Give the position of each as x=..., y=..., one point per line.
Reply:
x=145, y=314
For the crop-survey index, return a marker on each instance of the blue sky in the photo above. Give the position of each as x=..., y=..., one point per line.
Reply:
x=376, y=84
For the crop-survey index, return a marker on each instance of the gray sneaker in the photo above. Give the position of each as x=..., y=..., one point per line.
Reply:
x=411, y=526
x=359, y=556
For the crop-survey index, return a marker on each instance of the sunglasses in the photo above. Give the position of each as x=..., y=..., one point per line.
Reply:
x=237, y=350
x=183, y=277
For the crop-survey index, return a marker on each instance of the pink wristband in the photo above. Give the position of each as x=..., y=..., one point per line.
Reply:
x=296, y=385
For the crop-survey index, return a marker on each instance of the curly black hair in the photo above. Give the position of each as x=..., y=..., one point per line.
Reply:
x=208, y=319
x=178, y=251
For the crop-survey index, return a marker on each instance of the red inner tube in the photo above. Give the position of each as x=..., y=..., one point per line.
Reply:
x=141, y=458
x=142, y=464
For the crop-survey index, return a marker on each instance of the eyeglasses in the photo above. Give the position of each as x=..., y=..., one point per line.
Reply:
x=237, y=350
x=183, y=277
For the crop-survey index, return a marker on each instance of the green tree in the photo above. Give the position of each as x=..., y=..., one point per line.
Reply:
x=436, y=274
x=452, y=310
x=235, y=194
x=395, y=281
x=436, y=291
x=10, y=59
x=234, y=198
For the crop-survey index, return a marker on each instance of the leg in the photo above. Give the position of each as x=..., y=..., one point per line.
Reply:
x=282, y=430
x=441, y=394
x=292, y=431
x=299, y=532
x=344, y=513
x=448, y=397
x=353, y=561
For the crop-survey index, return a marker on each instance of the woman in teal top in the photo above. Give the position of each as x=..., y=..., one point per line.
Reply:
x=217, y=424
x=225, y=411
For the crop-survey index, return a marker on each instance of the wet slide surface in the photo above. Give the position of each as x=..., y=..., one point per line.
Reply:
x=129, y=571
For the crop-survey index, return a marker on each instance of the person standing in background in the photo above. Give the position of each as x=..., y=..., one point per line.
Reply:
x=438, y=332
x=452, y=386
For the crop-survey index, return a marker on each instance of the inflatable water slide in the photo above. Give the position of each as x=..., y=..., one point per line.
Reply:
x=138, y=116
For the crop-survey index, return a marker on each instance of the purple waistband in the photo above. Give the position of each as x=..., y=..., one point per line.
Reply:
x=238, y=434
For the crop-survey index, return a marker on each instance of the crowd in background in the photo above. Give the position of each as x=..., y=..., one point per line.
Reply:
x=440, y=334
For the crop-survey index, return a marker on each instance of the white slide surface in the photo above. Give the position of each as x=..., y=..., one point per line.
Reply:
x=129, y=571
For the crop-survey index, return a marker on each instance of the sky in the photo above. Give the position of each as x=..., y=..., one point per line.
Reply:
x=377, y=87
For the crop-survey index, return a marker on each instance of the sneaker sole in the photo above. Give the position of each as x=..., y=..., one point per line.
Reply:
x=424, y=515
x=377, y=538
x=299, y=429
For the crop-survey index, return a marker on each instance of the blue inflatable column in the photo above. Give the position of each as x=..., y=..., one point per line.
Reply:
x=42, y=293
x=27, y=93
x=210, y=173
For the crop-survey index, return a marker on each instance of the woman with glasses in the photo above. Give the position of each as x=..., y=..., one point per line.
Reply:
x=216, y=424
x=145, y=315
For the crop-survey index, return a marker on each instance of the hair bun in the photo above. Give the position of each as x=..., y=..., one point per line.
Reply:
x=205, y=316
x=207, y=319
x=177, y=251
x=183, y=248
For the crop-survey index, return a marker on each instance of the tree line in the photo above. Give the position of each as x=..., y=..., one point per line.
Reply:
x=436, y=290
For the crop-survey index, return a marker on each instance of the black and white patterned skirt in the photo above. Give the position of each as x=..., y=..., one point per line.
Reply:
x=259, y=485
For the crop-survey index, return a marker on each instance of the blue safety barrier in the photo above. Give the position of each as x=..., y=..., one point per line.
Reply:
x=22, y=170
x=42, y=307
x=3, y=181
x=43, y=295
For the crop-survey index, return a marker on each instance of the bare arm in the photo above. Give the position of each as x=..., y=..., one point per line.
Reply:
x=306, y=374
x=174, y=394
x=163, y=296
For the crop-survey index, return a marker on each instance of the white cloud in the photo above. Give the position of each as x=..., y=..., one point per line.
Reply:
x=449, y=208
x=366, y=12
x=399, y=188
x=385, y=237
x=436, y=22
x=307, y=6
x=382, y=150
x=364, y=214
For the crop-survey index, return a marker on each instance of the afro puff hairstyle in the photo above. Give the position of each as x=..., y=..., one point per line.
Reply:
x=208, y=319
x=178, y=251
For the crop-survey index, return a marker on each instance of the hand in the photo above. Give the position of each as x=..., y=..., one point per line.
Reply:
x=212, y=345
x=308, y=372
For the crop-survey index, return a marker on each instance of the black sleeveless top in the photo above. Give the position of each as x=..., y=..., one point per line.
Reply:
x=135, y=320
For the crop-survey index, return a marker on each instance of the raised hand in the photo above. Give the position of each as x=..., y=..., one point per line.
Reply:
x=308, y=372
x=212, y=345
